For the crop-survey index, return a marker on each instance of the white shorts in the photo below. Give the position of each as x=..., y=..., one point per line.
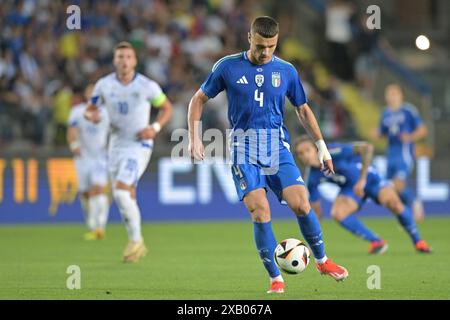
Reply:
x=91, y=172
x=128, y=165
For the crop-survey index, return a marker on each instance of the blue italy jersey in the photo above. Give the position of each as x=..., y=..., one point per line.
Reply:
x=256, y=93
x=256, y=96
x=347, y=166
x=394, y=123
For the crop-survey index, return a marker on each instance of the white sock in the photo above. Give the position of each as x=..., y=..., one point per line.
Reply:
x=322, y=261
x=88, y=210
x=277, y=278
x=130, y=213
x=99, y=207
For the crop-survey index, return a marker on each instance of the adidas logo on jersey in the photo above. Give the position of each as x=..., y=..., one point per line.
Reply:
x=242, y=80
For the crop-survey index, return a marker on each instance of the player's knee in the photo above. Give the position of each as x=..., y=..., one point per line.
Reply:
x=395, y=205
x=258, y=208
x=96, y=190
x=399, y=185
x=260, y=215
x=338, y=214
x=302, y=209
x=259, y=211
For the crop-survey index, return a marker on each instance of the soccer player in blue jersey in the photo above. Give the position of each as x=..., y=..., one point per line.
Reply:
x=403, y=126
x=357, y=181
x=256, y=83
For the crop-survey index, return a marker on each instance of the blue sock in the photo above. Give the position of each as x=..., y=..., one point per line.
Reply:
x=407, y=222
x=355, y=226
x=407, y=196
x=310, y=228
x=266, y=244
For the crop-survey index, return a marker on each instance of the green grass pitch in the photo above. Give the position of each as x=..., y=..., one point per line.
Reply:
x=214, y=260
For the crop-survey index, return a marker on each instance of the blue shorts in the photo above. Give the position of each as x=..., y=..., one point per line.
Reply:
x=398, y=170
x=373, y=186
x=248, y=177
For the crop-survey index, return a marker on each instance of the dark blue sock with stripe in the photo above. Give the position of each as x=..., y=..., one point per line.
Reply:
x=355, y=226
x=407, y=196
x=407, y=221
x=311, y=231
x=266, y=244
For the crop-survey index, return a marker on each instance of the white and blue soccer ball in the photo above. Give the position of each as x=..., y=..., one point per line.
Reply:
x=292, y=256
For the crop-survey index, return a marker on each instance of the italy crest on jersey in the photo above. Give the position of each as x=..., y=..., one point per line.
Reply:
x=242, y=184
x=276, y=79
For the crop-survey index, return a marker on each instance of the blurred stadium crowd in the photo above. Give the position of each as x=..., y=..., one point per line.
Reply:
x=44, y=67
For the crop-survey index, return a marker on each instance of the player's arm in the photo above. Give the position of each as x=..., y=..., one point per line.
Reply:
x=419, y=129
x=92, y=111
x=317, y=209
x=365, y=150
x=309, y=122
x=214, y=84
x=196, y=148
x=165, y=113
x=72, y=140
x=416, y=135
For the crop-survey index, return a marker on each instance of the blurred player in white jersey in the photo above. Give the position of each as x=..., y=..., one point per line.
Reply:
x=88, y=143
x=128, y=96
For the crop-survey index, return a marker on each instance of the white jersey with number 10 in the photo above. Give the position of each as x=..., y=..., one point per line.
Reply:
x=128, y=107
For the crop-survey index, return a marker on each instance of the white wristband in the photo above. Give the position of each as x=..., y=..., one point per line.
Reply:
x=323, y=151
x=156, y=126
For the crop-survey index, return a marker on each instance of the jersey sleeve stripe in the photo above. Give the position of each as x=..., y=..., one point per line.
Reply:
x=412, y=109
x=335, y=150
x=284, y=61
x=231, y=56
x=157, y=102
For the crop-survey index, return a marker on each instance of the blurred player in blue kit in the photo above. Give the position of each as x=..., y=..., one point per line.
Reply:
x=357, y=182
x=402, y=125
x=256, y=83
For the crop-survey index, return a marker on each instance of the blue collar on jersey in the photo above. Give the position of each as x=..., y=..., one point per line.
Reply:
x=117, y=78
x=246, y=58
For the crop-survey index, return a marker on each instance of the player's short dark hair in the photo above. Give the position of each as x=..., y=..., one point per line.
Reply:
x=265, y=26
x=124, y=45
x=303, y=138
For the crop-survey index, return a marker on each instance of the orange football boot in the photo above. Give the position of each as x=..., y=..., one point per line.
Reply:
x=276, y=287
x=330, y=268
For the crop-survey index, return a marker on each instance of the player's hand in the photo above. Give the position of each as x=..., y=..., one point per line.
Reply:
x=196, y=149
x=326, y=164
x=74, y=147
x=147, y=133
x=76, y=152
x=405, y=137
x=358, y=189
x=375, y=134
x=92, y=115
x=327, y=167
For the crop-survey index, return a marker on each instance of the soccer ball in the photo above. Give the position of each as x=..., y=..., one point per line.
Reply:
x=292, y=256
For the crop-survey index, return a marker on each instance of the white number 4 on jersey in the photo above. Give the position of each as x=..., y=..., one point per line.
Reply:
x=259, y=97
